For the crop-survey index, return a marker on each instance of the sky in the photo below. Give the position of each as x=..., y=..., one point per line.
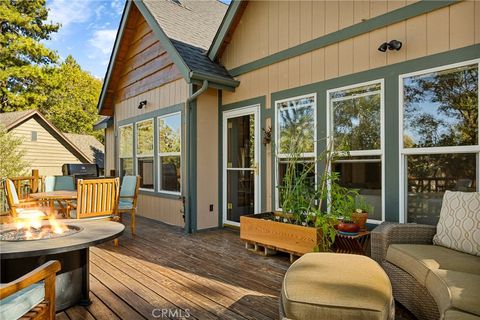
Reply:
x=88, y=31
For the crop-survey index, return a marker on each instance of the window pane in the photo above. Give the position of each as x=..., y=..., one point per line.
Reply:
x=441, y=108
x=356, y=117
x=428, y=176
x=296, y=123
x=241, y=142
x=365, y=175
x=145, y=170
x=289, y=172
x=126, y=142
x=126, y=167
x=145, y=138
x=240, y=194
x=169, y=129
x=170, y=173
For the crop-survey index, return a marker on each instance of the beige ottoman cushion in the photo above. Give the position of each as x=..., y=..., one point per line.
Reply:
x=336, y=286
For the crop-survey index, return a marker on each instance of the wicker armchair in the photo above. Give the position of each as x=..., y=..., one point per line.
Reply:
x=406, y=289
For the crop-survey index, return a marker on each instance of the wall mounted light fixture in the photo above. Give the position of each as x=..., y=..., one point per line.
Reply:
x=392, y=45
x=142, y=104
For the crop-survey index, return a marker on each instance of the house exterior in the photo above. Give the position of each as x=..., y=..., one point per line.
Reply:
x=45, y=147
x=205, y=102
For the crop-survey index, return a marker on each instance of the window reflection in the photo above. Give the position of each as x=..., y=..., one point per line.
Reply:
x=441, y=108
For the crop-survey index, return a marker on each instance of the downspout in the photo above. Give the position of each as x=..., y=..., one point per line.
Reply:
x=189, y=161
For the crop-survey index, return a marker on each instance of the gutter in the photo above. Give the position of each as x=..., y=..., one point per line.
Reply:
x=197, y=75
x=189, y=161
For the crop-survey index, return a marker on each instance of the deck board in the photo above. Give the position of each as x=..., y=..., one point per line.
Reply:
x=208, y=275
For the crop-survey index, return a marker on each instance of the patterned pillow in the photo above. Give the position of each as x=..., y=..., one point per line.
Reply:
x=459, y=224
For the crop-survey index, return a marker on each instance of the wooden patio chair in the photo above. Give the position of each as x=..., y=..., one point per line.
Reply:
x=31, y=296
x=24, y=208
x=96, y=199
x=128, y=198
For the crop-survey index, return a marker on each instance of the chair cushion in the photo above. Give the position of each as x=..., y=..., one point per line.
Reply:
x=336, y=286
x=459, y=224
x=453, y=289
x=19, y=303
x=13, y=191
x=30, y=213
x=125, y=204
x=129, y=184
x=64, y=183
x=418, y=260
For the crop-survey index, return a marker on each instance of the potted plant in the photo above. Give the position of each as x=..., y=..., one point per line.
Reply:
x=360, y=213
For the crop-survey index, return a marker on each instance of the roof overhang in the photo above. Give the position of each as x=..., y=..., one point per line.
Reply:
x=103, y=124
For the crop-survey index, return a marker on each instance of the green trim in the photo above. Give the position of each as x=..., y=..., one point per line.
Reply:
x=264, y=113
x=104, y=124
x=164, y=40
x=220, y=160
x=153, y=114
x=223, y=29
x=113, y=56
x=383, y=20
x=390, y=74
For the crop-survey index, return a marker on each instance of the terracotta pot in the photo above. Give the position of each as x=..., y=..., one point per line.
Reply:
x=360, y=219
x=348, y=226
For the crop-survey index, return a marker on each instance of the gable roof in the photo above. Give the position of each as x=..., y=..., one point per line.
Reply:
x=90, y=146
x=11, y=120
x=185, y=29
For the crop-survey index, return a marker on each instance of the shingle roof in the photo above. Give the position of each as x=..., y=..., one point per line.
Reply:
x=8, y=119
x=90, y=146
x=191, y=25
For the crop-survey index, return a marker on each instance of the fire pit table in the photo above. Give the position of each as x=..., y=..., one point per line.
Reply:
x=19, y=256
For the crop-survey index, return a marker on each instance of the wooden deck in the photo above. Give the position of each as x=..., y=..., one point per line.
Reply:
x=208, y=275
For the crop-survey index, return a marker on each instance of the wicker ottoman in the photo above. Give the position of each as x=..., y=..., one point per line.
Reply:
x=336, y=286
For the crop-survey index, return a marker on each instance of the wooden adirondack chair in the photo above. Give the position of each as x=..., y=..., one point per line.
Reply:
x=96, y=199
x=28, y=297
x=128, y=198
x=24, y=208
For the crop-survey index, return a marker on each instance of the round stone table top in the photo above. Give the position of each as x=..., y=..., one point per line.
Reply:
x=92, y=232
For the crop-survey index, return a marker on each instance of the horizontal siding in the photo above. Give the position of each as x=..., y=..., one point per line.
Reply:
x=163, y=209
x=268, y=27
x=145, y=64
x=46, y=154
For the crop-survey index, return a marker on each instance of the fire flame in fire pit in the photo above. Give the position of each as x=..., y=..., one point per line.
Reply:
x=34, y=229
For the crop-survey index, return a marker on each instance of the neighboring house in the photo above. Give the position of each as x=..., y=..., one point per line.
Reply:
x=46, y=148
x=191, y=85
x=90, y=146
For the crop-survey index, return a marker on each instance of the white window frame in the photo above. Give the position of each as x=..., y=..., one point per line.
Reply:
x=166, y=154
x=120, y=144
x=279, y=156
x=137, y=156
x=357, y=153
x=404, y=152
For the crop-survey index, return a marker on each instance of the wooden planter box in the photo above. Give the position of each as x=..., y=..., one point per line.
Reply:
x=286, y=237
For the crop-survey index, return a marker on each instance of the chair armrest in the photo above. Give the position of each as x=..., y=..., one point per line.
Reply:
x=27, y=202
x=389, y=233
x=48, y=269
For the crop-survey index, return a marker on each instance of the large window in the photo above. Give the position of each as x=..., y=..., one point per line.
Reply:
x=144, y=151
x=356, y=114
x=126, y=150
x=440, y=141
x=295, y=140
x=169, y=152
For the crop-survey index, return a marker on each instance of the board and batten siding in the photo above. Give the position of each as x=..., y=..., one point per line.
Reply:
x=267, y=27
x=438, y=31
x=109, y=150
x=449, y=28
x=47, y=154
x=146, y=72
